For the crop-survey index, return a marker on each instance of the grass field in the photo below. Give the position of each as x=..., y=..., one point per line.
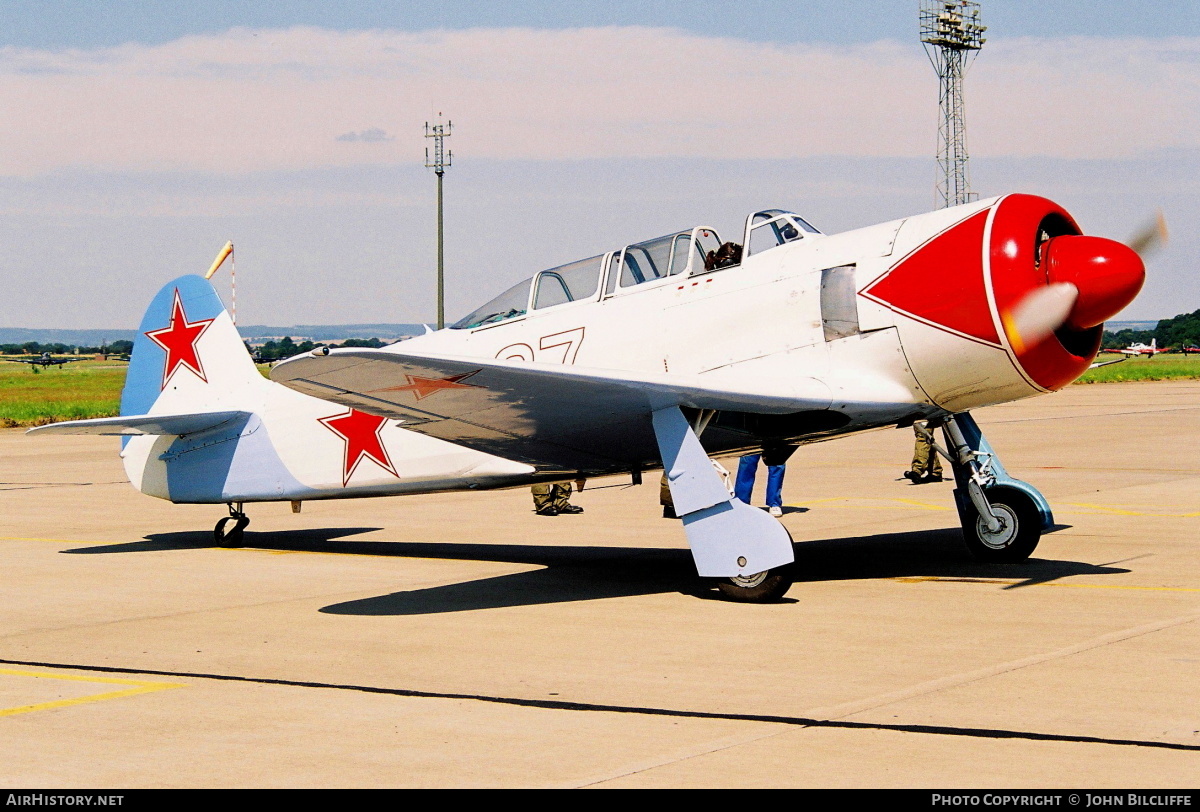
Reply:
x=93, y=388
x=1168, y=366
x=69, y=392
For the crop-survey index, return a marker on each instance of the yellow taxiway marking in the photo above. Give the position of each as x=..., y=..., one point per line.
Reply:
x=53, y=541
x=249, y=548
x=871, y=502
x=916, y=579
x=219, y=549
x=137, y=687
x=1120, y=511
x=886, y=502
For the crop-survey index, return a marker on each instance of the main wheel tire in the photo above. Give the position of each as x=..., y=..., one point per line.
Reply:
x=232, y=537
x=1019, y=533
x=762, y=587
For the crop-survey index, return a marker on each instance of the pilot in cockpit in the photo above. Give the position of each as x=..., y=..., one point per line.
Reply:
x=727, y=255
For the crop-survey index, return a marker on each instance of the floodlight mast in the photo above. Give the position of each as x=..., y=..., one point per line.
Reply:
x=439, y=164
x=952, y=34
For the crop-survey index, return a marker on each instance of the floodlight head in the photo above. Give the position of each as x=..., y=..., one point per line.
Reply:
x=952, y=24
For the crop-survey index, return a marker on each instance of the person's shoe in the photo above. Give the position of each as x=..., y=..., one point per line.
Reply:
x=570, y=509
x=933, y=478
x=669, y=512
x=547, y=511
x=775, y=511
x=912, y=476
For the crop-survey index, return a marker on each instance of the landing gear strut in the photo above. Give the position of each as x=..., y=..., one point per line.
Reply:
x=227, y=536
x=1002, y=518
x=747, y=550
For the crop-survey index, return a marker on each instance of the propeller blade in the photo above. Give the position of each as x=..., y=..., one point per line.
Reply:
x=1151, y=237
x=1038, y=315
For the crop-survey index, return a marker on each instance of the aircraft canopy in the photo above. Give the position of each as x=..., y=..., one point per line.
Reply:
x=678, y=253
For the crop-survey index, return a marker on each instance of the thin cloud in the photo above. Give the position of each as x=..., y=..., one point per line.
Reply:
x=253, y=100
x=371, y=136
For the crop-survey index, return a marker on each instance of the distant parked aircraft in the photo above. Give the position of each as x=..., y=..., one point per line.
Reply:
x=45, y=360
x=1142, y=349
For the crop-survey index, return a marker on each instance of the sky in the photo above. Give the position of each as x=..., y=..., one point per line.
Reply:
x=137, y=137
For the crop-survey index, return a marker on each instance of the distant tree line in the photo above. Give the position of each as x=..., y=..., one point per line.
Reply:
x=271, y=351
x=1123, y=338
x=58, y=348
x=286, y=347
x=1181, y=331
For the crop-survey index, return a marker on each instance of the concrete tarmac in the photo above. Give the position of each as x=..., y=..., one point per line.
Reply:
x=459, y=640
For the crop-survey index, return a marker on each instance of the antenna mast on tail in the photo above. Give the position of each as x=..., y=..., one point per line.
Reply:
x=227, y=251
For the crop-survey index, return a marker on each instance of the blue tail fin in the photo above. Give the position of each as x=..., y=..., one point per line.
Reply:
x=187, y=355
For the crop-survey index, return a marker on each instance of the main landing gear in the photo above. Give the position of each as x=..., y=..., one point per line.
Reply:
x=748, y=552
x=1002, y=518
x=227, y=535
x=768, y=586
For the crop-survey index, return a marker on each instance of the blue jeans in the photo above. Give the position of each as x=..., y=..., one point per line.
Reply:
x=745, y=481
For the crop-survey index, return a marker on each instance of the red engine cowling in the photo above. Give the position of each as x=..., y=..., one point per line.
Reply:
x=1033, y=243
x=971, y=280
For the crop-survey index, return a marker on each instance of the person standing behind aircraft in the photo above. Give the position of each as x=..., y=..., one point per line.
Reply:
x=775, y=460
x=926, y=464
x=551, y=499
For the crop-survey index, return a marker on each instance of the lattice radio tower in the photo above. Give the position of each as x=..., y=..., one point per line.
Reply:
x=952, y=34
x=439, y=163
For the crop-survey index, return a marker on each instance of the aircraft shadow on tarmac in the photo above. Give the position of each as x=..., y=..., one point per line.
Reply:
x=569, y=574
x=198, y=540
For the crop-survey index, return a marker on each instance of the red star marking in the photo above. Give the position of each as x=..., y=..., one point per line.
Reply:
x=179, y=339
x=424, y=387
x=361, y=433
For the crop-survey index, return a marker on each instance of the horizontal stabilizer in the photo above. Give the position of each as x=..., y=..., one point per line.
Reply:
x=144, y=424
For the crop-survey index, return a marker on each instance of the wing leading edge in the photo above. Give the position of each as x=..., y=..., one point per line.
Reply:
x=550, y=416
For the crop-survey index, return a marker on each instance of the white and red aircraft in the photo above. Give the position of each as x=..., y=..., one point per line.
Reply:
x=652, y=355
x=1138, y=348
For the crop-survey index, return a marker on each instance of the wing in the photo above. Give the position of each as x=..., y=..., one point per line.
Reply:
x=550, y=416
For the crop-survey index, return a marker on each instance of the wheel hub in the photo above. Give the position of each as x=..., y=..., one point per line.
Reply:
x=750, y=581
x=1007, y=531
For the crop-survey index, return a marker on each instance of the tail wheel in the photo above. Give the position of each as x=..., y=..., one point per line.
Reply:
x=762, y=587
x=1019, y=532
x=227, y=536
